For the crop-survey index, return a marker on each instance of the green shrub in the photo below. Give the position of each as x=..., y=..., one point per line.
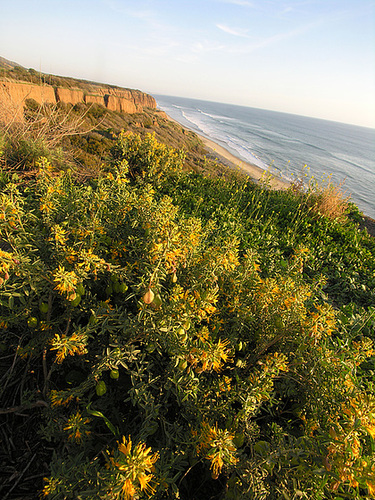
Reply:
x=177, y=347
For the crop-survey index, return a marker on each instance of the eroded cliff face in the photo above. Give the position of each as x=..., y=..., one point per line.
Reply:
x=14, y=94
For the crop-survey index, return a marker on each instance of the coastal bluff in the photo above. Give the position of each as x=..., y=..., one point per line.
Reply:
x=13, y=96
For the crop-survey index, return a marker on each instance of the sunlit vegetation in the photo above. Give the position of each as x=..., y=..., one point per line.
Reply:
x=169, y=334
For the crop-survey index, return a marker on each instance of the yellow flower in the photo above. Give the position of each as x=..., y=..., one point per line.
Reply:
x=66, y=282
x=60, y=398
x=46, y=207
x=216, y=464
x=206, y=355
x=224, y=384
x=89, y=261
x=76, y=425
x=59, y=235
x=75, y=344
x=371, y=488
x=216, y=445
x=370, y=428
x=134, y=466
x=125, y=447
x=51, y=486
x=71, y=256
x=128, y=489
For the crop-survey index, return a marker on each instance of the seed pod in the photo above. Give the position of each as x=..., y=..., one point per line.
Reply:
x=157, y=302
x=187, y=324
x=76, y=301
x=148, y=296
x=32, y=322
x=100, y=388
x=151, y=347
x=182, y=365
x=43, y=308
x=182, y=335
x=114, y=374
x=238, y=439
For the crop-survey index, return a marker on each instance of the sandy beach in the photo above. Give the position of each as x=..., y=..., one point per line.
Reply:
x=255, y=172
x=227, y=158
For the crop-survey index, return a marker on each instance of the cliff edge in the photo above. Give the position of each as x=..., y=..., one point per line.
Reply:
x=13, y=95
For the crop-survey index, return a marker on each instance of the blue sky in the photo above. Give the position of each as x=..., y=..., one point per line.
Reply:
x=308, y=57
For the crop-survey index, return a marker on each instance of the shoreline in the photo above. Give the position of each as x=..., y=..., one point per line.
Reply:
x=229, y=160
x=256, y=173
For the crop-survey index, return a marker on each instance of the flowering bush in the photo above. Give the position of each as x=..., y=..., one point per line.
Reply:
x=139, y=318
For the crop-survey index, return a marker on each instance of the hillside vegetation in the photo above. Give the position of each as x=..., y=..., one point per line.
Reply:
x=13, y=71
x=81, y=137
x=170, y=329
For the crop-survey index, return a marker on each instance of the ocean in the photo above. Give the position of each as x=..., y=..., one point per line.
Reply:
x=290, y=146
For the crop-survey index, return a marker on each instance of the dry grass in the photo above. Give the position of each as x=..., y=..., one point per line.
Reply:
x=329, y=200
x=40, y=133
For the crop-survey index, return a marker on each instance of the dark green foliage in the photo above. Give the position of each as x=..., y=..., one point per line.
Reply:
x=275, y=223
x=227, y=327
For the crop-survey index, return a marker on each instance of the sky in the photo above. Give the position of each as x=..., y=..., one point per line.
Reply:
x=307, y=57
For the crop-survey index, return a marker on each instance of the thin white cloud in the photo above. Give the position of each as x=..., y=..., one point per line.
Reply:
x=207, y=46
x=266, y=42
x=233, y=31
x=335, y=17
x=242, y=3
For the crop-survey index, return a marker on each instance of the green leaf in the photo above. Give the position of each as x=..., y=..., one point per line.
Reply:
x=95, y=413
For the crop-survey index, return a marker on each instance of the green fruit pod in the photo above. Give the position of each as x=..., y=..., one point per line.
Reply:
x=238, y=439
x=157, y=301
x=182, y=335
x=182, y=365
x=32, y=322
x=114, y=374
x=187, y=324
x=43, y=308
x=76, y=301
x=151, y=347
x=100, y=388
